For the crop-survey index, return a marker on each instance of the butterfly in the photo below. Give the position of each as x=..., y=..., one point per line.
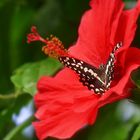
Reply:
x=96, y=79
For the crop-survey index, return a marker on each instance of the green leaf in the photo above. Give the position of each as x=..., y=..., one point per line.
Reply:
x=26, y=77
x=136, y=135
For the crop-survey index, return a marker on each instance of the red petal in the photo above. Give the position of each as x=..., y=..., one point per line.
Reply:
x=101, y=28
x=126, y=27
x=63, y=125
x=63, y=102
x=132, y=57
x=93, y=45
x=64, y=88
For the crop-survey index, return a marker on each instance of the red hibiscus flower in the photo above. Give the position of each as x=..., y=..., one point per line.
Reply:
x=70, y=100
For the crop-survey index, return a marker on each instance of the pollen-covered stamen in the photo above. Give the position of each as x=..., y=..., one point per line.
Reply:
x=53, y=46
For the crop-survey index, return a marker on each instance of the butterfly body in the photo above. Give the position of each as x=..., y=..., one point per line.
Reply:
x=96, y=79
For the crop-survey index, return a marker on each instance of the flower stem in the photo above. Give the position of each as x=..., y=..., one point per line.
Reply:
x=9, y=96
x=18, y=129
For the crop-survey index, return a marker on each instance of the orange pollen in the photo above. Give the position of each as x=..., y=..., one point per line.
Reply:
x=53, y=46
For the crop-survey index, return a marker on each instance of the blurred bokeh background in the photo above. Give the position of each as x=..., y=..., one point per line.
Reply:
x=22, y=64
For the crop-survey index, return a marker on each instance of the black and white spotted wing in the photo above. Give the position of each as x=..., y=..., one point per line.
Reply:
x=109, y=67
x=89, y=75
x=96, y=79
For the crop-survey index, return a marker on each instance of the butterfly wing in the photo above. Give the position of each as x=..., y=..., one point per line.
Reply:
x=89, y=75
x=109, y=68
x=95, y=79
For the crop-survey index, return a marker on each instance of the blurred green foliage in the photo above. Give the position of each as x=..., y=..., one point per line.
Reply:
x=26, y=77
x=136, y=134
x=25, y=64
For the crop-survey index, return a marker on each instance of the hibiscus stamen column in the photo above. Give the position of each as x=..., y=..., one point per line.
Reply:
x=53, y=46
